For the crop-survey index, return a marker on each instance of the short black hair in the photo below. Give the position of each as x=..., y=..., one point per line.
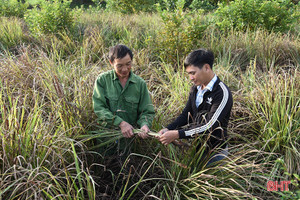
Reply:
x=199, y=57
x=119, y=51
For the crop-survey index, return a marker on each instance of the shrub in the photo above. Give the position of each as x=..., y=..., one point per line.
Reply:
x=100, y=4
x=135, y=6
x=274, y=15
x=131, y=6
x=203, y=4
x=50, y=17
x=180, y=33
x=10, y=8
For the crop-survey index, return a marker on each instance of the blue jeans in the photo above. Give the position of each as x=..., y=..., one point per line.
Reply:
x=218, y=156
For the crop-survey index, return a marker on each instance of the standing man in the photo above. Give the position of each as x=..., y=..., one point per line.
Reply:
x=121, y=98
x=209, y=105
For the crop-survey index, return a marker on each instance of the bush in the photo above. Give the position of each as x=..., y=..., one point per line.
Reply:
x=52, y=16
x=135, y=6
x=274, y=15
x=100, y=4
x=203, y=4
x=10, y=8
x=131, y=6
x=180, y=33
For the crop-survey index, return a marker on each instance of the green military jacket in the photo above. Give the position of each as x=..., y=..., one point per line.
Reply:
x=114, y=104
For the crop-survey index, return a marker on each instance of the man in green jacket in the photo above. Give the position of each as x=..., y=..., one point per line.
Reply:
x=121, y=98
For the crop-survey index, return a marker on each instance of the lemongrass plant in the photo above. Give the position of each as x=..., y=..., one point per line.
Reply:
x=274, y=101
x=11, y=33
x=38, y=121
x=36, y=159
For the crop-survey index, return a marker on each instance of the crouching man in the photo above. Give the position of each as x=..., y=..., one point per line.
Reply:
x=207, y=110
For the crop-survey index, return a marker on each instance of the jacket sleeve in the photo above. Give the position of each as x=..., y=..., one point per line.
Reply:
x=182, y=119
x=216, y=117
x=101, y=107
x=145, y=109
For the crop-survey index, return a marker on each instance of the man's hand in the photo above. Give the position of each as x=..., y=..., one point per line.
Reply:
x=162, y=131
x=145, y=129
x=168, y=137
x=126, y=129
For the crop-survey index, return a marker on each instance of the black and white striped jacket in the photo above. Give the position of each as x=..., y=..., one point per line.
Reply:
x=211, y=116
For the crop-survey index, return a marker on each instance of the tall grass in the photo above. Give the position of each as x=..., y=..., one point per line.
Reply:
x=38, y=126
x=35, y=152
x=170, y=91
x=273, y=99
x=11, y=33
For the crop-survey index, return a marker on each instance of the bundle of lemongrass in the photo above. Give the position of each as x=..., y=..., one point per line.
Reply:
x=107, y=136
x=154, y=134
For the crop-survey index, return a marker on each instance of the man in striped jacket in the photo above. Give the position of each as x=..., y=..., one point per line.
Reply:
x=208, y=108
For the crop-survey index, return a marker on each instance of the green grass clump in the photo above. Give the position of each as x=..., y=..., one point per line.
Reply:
x=39, y=156
x=274, y=102
x=11, y=33
x=36, y=153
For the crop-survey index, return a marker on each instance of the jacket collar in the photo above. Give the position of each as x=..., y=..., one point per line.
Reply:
x=195, y=89
x=132, y=77
x=216, y=84
x=210, y=85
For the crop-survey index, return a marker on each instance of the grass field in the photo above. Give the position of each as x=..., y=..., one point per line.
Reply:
x=48, y=127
